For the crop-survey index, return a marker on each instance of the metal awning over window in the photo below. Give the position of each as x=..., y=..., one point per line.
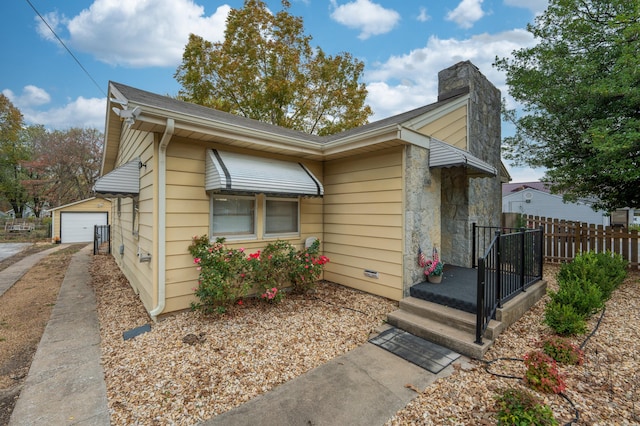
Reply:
x=233, y=173
x=123, y=181
x=444, y=155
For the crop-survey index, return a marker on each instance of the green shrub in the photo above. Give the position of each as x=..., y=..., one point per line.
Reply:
x=563, y=351
x=584, y=296
x=606, y=270
x=564, y=319
x=615, y=271
x=519, y=407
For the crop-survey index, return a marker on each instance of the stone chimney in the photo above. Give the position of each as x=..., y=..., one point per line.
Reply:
x=467, y=200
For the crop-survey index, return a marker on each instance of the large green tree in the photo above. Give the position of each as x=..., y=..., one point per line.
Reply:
x=580, y=88
x=266, y=69
x=13, y=151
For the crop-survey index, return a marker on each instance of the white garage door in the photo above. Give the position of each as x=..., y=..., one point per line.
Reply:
x=78, y=227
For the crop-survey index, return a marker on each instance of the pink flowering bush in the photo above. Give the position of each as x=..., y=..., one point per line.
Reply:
x=542, y=373
x=273, y=295
x=227, y=275
x=306, y=267
x=223, y=274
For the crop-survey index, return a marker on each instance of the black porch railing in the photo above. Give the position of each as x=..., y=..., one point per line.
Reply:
x=512, y=261
x=102, y=239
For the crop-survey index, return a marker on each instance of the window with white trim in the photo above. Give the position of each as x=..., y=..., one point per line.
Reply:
x=233, y=216
x=281, y=216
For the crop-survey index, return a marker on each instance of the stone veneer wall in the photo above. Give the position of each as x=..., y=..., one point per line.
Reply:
x=483, y=195
x=422, y=212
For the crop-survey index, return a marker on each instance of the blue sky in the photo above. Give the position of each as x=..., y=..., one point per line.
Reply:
x=403, y=43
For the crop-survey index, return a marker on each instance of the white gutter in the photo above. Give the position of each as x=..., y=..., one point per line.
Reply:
x=162, y=213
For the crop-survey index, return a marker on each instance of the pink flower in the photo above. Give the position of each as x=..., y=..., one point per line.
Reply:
x=197, y=260
x=199, y=268
x=241, y=249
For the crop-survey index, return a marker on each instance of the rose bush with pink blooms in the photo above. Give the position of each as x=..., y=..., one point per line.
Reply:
x=227, y=274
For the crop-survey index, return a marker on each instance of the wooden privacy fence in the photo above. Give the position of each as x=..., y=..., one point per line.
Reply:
x=563, y=240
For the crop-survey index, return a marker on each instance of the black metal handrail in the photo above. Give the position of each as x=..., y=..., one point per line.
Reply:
x=101, y=235
x=512, y=261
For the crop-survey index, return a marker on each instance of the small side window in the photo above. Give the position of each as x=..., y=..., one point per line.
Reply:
x=282, y=216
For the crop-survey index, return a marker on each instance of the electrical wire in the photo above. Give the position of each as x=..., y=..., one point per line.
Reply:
x=66, y=48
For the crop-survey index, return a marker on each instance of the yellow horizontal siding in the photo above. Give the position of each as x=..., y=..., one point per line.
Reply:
x=389, y=287
x=394, y=244
x=364, y=208
x=364, y=197
x=364, y=230
x=451, y=128
x=363, y=221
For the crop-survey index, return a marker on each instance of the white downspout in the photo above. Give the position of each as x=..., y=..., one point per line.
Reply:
x=162, y=213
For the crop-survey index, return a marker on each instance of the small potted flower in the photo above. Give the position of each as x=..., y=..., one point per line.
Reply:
x=434, y=267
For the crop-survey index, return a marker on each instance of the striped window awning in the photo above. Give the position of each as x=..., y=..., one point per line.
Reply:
x=234, y=173
x=444, y=155
x=123, y=181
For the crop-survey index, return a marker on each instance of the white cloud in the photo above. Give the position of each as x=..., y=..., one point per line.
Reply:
x=467, y=13
x=411, y=80
x=31, y=96
x=81, y=112
x=524, y=174
x=370, y=18
x=423, y=16
x=140, y=33
x=535, y=6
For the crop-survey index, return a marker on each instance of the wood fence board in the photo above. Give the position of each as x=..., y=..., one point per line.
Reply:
x=565, y=239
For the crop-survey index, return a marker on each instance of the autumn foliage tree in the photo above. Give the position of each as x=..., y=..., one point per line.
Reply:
x=13, y=151
x=266, y=69
x=580, y=87
x=41, y=168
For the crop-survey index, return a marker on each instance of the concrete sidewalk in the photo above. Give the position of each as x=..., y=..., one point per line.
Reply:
x=11, y=275
x=65, y=385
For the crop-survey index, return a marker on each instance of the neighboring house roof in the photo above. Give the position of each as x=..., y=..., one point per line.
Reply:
x=72, y=204
x=508, y=188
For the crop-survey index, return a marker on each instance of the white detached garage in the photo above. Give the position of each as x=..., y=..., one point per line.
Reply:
x=74, y=223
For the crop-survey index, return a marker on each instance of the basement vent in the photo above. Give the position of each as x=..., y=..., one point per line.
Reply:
x=371, y=274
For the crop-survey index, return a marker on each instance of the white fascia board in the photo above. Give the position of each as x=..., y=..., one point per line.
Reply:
x=216, y=128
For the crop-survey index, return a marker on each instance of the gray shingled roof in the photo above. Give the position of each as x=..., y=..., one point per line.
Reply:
x=176, y=106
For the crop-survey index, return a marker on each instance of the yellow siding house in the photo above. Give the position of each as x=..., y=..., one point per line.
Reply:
x=372, y=195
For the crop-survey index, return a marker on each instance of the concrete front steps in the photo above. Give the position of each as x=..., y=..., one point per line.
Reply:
x=455, y=329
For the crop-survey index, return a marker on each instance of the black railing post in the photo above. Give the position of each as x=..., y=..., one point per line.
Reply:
x=523, y=257
x=498, y=271
x=480, y=301
x=473, y=245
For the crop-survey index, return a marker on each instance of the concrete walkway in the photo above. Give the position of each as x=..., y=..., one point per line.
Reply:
x=365, y=386
x=65, y=385
x=9, y=249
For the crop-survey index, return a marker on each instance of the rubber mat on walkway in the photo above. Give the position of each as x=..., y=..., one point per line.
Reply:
x=421, y=352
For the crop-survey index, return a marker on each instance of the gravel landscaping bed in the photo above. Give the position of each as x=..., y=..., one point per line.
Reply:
x=191, y=367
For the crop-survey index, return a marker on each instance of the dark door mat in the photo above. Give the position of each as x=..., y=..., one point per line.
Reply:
x=421, y=352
